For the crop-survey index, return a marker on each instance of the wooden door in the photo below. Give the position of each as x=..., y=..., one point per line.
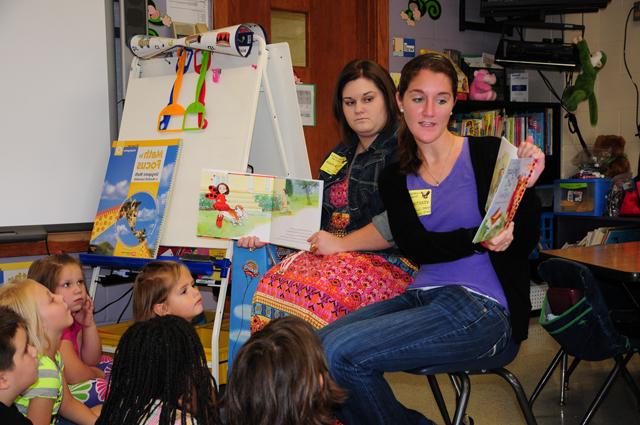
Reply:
x=337, y=32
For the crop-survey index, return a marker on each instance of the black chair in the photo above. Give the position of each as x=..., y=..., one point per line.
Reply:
x=459, y=373
x=584, y=331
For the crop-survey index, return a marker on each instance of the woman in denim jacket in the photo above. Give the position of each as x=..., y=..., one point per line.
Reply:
x=337, y=276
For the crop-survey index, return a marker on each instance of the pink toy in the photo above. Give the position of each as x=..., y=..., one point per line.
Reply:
x=481, y=86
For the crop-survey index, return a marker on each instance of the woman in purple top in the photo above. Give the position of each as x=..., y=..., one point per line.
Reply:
x=468, y=300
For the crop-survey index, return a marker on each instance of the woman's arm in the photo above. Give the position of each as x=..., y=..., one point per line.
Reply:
x=73, y=410
x=420, y=245
x=75, y=370
x=366, y=238
x=39, y=410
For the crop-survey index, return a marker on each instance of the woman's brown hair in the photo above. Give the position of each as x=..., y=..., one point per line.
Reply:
x=152, y=287
x=280, y=376
x=408, y=156
x=377, y=75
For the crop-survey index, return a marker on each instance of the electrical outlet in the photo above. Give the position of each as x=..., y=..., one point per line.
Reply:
x=636, y=11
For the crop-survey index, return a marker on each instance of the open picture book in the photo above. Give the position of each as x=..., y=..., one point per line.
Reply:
x=510, y=177
x=278, y=210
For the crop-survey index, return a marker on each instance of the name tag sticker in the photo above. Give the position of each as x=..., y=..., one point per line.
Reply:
x=421, y=199
x=333, y=164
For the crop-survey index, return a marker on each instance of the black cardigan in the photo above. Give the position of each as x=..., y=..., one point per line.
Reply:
x=424, y=247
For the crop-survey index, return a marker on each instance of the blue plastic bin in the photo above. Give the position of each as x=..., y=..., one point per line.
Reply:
x=580, y=196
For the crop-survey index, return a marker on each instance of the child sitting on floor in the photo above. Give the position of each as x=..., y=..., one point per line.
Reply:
x=46, y=316
x=163, y=288
x=81, y=350
x=160, y=376
x=18, y=365
x=280, y=376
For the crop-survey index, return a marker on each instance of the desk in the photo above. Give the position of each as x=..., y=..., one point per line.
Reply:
x=614, y=262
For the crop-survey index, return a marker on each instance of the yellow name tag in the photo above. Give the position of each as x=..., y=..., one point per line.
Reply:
x=421, y=199
x=333, y=164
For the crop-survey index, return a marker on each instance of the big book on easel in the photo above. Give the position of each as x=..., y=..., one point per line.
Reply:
x=510, y=177
x=134, y=198
x=279, y=210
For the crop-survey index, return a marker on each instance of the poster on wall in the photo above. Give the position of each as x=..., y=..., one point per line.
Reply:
x=13, y=271
x=176, y=18
x=307, y=103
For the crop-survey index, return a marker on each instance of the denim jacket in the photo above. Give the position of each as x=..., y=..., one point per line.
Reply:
x=363, y=199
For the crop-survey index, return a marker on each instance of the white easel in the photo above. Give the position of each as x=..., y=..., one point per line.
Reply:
x=238, y=108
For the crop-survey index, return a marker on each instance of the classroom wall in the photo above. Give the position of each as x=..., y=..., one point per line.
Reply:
x=439, y=34
x=614, y=91
x=444, y=33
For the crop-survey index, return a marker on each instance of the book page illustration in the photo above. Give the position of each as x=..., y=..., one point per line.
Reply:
x=134, y=198
x=278, y=210
x=510, y=177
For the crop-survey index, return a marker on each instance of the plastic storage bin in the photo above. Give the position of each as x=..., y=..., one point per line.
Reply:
x=580, y=196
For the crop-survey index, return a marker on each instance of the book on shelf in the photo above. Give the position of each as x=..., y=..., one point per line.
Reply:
x=515, y=127
x=134, y=198
x=279, y=210
x=508, y=183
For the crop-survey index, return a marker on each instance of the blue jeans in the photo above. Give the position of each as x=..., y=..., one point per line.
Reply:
x=416, y=329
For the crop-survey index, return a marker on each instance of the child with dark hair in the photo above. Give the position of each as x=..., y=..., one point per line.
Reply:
x=280, y=376
x=46, y=316
x=18, y=365
x=80, y=347
x=160, y=376
x=163, y=288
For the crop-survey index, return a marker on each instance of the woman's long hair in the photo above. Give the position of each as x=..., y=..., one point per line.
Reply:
x=380, y=77
x=160, y=360
x=408, y=156
x=280, y=376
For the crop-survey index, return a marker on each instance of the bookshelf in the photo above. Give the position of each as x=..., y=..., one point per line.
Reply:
x=572, y=228
x=552, y=161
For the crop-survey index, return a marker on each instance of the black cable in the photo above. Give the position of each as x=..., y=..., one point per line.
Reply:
x=125, y=308
x=103, y=308
x=626, y=67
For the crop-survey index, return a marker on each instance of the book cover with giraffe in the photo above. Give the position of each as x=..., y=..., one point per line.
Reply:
x=134, y=198
x=279, y=210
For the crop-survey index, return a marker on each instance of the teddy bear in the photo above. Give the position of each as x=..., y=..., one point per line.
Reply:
x=583, y=88
x=481, y=86
x=609, y=150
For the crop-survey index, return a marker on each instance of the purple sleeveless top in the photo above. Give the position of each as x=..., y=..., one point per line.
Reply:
x=454, y=204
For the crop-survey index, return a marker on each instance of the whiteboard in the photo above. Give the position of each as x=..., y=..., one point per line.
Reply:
x=58, y=112
x=239, y=127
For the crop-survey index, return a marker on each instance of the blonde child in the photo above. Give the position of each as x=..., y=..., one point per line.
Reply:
x=280, y=376
x=81, y=350
x=165, y=287
x=46, y=316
